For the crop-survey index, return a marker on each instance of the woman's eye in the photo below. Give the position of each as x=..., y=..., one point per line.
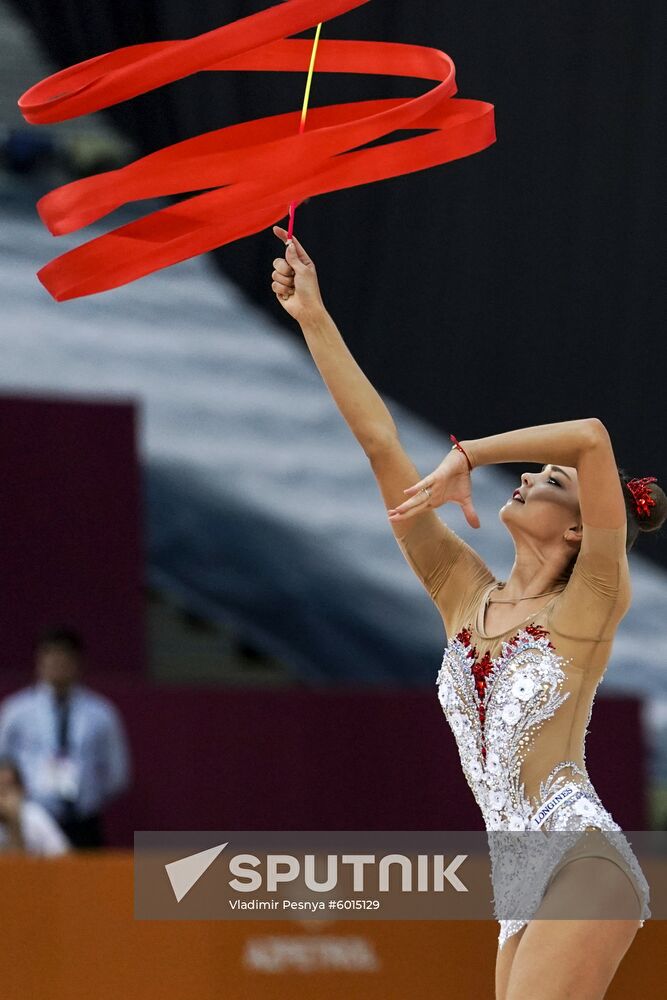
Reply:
x=554, y=481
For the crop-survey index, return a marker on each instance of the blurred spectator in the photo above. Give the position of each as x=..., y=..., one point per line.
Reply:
x=69, y=742
x=25, y=826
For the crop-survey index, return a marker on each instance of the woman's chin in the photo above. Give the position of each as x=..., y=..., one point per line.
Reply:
x=506, y=512
x=511, y=518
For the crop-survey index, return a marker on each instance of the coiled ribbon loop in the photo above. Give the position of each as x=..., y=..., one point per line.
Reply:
x=257, y=167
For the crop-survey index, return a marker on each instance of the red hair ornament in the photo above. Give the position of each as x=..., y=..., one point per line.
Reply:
x=256, y=168
x=642, y=499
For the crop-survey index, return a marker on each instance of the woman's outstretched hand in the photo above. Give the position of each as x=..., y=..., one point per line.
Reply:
x=450, y=483
x=294, y=280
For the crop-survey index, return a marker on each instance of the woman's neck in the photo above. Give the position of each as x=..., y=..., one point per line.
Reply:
x=535, y=573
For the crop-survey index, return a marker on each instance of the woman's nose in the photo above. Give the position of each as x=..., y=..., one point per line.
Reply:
x=526, y=479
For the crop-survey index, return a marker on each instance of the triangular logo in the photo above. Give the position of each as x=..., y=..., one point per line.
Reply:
x=186, y=871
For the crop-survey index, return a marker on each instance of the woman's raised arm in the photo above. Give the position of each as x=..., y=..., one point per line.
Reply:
x=296, y=287
x=428, y=545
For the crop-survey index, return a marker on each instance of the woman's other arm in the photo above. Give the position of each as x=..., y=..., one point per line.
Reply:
x=582, y=444
x=598, y=592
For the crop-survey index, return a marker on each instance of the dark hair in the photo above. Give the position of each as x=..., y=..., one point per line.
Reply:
x=656, y=515
x=9, y=764
x=64, y=637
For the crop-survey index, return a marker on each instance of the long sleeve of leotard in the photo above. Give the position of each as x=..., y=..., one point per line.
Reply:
x=448, y=567
x=598, y=593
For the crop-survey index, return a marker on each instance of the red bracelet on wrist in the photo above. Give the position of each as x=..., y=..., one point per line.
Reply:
x=458, y=447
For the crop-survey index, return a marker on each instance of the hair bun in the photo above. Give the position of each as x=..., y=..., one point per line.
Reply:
x=656, y=515
x=646, y=502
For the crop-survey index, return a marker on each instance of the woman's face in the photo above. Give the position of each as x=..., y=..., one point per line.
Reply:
x=545, y=506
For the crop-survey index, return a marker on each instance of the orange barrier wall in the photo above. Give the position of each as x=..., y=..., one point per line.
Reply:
x=68, y=933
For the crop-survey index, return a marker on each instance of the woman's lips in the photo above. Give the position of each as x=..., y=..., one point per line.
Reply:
x=517, y=496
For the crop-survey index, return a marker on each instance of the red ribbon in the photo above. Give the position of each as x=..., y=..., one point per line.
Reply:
x=257, y=167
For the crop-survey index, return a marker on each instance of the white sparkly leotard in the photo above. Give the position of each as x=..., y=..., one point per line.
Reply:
x=519, y=705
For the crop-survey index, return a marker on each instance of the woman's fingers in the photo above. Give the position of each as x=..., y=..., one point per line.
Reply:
x=419, y=486
x=470, y=515
x=394, y=515
x=283, y=279
x=281, y=290
x=419, y=498
x=415, y=504
x=281, y=265
x=301, y=253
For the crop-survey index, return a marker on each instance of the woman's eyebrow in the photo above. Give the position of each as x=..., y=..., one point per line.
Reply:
x=557, y=468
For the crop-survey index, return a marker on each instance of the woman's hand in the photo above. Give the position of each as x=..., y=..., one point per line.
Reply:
x=450, y=483
x=294, y=280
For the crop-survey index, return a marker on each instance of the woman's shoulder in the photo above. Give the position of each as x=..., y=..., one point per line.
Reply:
x=605, y=544
x=598, y=593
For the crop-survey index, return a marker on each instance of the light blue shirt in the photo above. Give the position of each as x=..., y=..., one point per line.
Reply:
x=97, y=744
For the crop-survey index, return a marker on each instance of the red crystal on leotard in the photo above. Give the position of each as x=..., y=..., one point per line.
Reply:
x=464, y=636
x=537, y=632
x=481, y=669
